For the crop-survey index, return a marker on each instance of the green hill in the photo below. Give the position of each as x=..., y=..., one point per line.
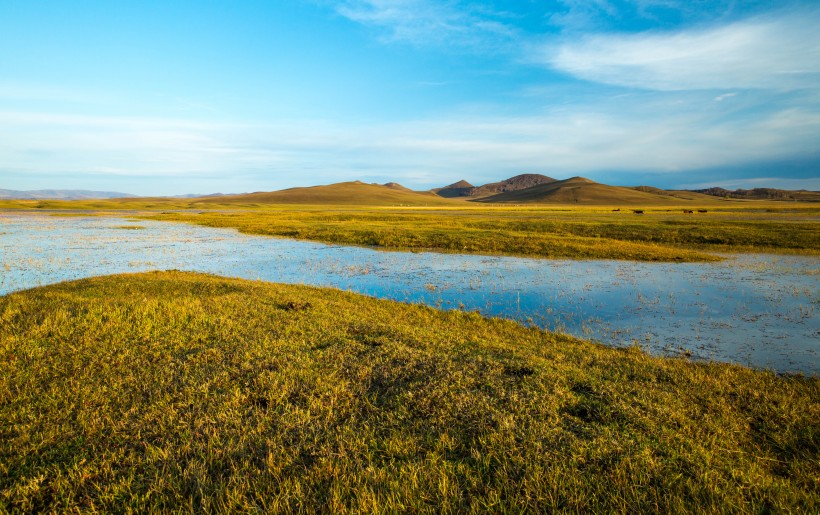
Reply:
x=349, y=193
x=579, y=190
x=678, y=194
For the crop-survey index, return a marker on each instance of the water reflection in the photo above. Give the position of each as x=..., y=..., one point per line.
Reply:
x=757, y=310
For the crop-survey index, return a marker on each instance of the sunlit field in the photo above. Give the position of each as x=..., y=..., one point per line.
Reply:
x=661, y=234
x=658, y=233
x=178, y=391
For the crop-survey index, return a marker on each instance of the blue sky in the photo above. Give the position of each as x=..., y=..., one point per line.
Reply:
x=172, y=97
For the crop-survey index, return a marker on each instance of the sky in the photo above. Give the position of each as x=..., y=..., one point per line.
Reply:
x=175, y=97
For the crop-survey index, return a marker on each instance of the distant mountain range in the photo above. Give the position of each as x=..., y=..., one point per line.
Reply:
x=61, y=195
x=521, y=189
x=763, y=194
x=536, y=188
x=525, y=188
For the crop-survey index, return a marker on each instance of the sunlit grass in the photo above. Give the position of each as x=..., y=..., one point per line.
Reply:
x=657, y=235
x=179, y=392
x=660, y=233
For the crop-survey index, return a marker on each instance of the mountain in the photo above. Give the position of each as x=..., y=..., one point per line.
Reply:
x=519, y=182
x=457, y=189
x=61, y=195
x=579, y=190
x=762, y=194
x=345, y=193
x=396, y=186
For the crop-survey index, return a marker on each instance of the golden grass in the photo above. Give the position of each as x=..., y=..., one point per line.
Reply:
x=182, y=392
x=669, y=232
x=660, y=234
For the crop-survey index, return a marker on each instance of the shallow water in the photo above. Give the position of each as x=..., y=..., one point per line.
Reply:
x=757, y=310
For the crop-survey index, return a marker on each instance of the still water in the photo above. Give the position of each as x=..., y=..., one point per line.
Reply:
x=757, y=310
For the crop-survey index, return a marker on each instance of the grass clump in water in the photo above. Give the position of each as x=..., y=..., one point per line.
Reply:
x=180, y=391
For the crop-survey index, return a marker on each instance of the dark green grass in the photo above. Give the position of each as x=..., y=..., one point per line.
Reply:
x=183, y=392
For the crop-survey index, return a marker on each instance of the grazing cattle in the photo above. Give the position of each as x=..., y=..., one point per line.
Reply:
x=688, y=211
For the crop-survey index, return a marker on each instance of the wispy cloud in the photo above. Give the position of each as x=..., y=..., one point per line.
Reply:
x=780, y=53
x=637, y=134
x=721, y=98
x=424, y=22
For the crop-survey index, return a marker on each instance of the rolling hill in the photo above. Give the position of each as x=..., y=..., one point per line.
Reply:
x=345, y=193
x=676, y=194
x=579, y=190
x=457, y=189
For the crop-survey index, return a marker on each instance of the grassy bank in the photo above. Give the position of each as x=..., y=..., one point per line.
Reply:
x=178, y=391
x=662, y=234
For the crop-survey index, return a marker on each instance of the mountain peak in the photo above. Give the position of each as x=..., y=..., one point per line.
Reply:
x=395, y=186
x=519, y=182
x=580, y=179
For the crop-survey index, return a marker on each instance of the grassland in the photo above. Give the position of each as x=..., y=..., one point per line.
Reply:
x=660, y=234
x=668, y=228
x=177, y=391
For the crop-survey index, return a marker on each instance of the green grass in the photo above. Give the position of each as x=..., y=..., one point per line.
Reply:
x=658, y=235
x=183, y=392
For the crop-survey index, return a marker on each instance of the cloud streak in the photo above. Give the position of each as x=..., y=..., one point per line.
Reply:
x=425, y=22
x=781, y=53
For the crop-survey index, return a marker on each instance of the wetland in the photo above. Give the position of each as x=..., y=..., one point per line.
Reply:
x=757, y=310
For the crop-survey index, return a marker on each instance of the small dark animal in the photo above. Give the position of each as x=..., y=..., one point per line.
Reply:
x=638, y=211
x=296, y=306
x=688, y=211
x=702, y=211
x=616, y=210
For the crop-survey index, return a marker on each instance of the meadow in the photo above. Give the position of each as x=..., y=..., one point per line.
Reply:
x=663, y=232
x=172, y=391
x=176, y=391
x=659, y=234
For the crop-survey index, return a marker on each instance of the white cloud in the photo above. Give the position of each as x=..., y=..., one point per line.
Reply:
x=426, y=22
x=721, y=98
x=637, y=133
x=780, y=53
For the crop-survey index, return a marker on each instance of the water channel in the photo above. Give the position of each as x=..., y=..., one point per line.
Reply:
x=752, y=309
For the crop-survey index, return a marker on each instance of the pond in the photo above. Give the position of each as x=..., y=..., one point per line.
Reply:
x=756, y=310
